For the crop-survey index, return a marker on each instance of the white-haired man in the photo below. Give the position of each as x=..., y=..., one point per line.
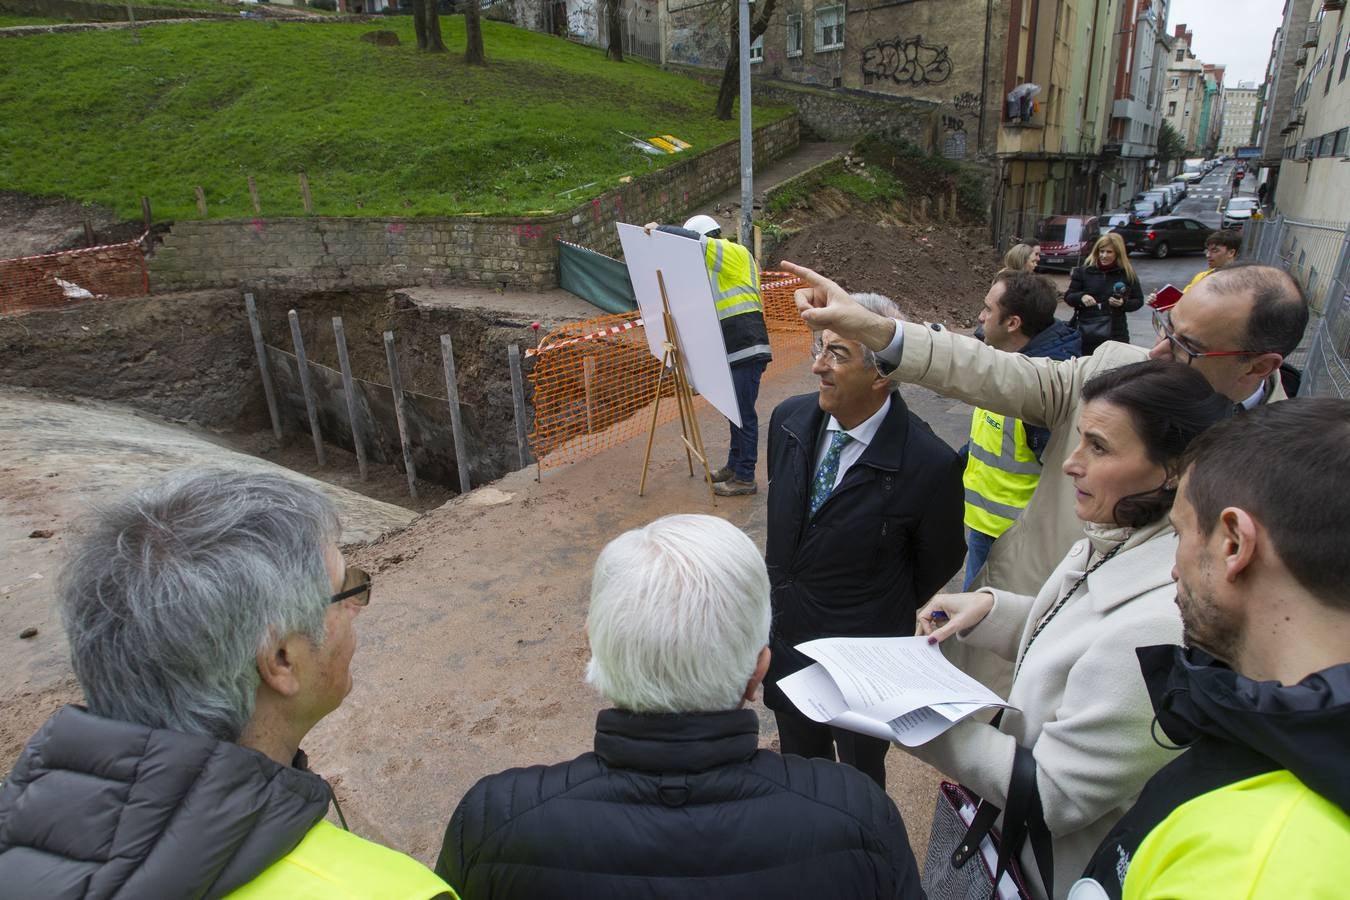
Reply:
x=677, y=800
x=734, y=276
x=210, y=625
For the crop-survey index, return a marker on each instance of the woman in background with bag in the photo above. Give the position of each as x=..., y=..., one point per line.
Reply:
x=1073, y=753
x=1102, y=292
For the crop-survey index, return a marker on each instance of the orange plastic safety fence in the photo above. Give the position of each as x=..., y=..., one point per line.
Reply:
x=93, y=273
x=594, y=381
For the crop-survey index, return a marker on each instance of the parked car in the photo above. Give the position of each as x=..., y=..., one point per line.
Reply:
x=1111, y=221
x=1165, y=235
x=1178, y=191
x=1146, y=208
x=1181, y=184
x=1238, y=212
x=1164, y=200
x=1065, y=240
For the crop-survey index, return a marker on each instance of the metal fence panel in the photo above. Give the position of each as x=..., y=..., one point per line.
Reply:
x=1317, y=255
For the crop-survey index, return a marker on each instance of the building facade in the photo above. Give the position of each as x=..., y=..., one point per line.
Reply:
x=1239, y=117
x=1136, y=113
x=1184, y=91
x=1314, y=179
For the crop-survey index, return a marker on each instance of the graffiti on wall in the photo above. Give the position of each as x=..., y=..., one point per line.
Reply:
x=967, y=102
x=583, y=21
x=911, y=61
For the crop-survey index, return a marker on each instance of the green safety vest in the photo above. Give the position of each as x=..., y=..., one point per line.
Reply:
x=1001, y=473
x=332, y=864
x=735, y=283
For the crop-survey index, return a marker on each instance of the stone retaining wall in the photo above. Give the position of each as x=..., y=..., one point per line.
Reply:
x=315, y=253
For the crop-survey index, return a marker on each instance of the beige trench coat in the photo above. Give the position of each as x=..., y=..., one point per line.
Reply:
x=1082, y=706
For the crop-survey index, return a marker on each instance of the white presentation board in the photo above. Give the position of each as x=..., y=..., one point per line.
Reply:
x=680, y=260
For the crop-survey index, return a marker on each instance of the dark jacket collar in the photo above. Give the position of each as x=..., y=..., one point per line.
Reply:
x=887, y=449
x=181, y=815
x=1059, y=341
x=1304, y=727
x=685, y=742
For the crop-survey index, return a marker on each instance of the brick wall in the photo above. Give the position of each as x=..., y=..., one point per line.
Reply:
x=316, y=253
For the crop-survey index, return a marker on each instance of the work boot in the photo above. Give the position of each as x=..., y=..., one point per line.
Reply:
x=734, y=487
x=723, y=474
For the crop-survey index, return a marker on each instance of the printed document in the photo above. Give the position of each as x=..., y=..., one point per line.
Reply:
x=896, y=689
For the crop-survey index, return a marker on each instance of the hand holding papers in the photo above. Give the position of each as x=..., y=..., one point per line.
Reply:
x=896, y=689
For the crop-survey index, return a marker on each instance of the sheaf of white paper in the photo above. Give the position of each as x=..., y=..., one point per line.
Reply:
x=885, y=678
x=814, y=692
x=680, y=261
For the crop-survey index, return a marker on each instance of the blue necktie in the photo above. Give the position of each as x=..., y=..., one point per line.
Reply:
x=823, y=483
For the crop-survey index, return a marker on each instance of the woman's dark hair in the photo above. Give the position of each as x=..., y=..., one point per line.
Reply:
x=1170, y=405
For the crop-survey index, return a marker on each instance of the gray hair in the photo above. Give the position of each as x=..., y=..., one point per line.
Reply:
x=175, y=590
x=882, y=306
x=679, y=614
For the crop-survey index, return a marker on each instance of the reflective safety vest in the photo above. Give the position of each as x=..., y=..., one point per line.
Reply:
x=1001, y=473
x=332, y=864
x=1265, y=837
x=735, y=283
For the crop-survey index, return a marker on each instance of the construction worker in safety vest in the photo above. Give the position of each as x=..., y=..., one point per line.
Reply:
x=1003, y=465
x=734, y=276
x=211, y=623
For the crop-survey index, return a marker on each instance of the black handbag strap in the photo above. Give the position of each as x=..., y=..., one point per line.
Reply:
x=1025, y=819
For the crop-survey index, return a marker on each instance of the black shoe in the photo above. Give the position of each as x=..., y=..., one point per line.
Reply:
x=734, y=488
x=723, y=474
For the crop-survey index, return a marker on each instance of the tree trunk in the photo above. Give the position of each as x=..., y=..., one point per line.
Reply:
x=427, y=24
x=473, y=34
x=614, y=23
x=728, y=90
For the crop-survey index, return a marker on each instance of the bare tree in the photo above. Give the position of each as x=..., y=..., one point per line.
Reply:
x=427, y=25
x=730, y=86
x=473, y=34
x=614, y=27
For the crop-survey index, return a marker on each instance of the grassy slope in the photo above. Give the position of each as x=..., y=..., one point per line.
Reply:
x=380, y=130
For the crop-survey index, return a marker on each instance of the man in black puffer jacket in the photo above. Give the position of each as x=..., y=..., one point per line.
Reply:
x=678, y=800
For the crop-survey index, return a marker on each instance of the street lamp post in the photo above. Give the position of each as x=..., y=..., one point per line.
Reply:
x=747, y=150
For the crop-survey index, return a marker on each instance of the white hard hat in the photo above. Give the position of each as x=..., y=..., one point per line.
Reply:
x=704, y=225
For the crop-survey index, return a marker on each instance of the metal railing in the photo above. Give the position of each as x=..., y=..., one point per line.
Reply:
x=1317, y=255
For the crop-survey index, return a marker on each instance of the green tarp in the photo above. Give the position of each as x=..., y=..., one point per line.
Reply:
x=595, y=278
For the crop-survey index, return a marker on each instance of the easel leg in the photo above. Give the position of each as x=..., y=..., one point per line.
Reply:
x=683, y=395
x=651, y=432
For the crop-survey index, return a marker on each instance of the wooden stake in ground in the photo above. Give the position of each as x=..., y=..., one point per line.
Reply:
x=201, y=201
x=349, y=387
x=89, y=239
x=311, y=408
x=400, y=412
x=261, y=349
x=253, y=195
x=690, y=433
x=145, y=213
x=304, y=193
x=456, y=420
x=518, y=401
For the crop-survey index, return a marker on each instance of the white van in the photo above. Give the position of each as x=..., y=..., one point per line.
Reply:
x=1192, y=170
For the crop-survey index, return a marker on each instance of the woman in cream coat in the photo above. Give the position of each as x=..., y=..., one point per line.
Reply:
x=1079, y=702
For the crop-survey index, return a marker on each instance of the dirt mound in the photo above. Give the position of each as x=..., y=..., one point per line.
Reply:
x=33, y=225
x=936, y=273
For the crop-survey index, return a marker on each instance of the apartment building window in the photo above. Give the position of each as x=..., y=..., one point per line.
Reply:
x=1171, y=107
x=757, y=50
x=829, y=28
x=794, y=34
x=1339, y=149
x=1175, y=83
x=1181, y=55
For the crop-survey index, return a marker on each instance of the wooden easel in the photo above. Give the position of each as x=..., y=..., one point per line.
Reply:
x=689, y=430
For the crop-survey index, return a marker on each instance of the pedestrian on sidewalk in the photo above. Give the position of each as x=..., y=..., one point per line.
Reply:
x=1102, y=292
x=734, y=274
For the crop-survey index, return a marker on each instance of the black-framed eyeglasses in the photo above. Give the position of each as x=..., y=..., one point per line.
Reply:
x=1162, y=326
x=355, y=586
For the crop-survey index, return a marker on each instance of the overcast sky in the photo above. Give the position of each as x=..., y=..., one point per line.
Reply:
x=1232, y=33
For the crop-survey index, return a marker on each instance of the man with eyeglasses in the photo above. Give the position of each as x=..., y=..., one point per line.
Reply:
x=1236, y=327
x=864, y=525
x=210, y=621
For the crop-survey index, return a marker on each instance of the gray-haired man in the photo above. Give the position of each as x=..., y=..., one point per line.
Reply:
x=210, y=621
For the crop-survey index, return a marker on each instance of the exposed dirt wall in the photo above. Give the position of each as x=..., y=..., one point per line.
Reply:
x=185, y=357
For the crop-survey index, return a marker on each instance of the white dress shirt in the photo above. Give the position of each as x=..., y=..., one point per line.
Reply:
x=862, y=435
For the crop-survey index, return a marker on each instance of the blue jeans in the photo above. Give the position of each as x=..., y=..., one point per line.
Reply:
x=977, y=551
x=743, y=451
